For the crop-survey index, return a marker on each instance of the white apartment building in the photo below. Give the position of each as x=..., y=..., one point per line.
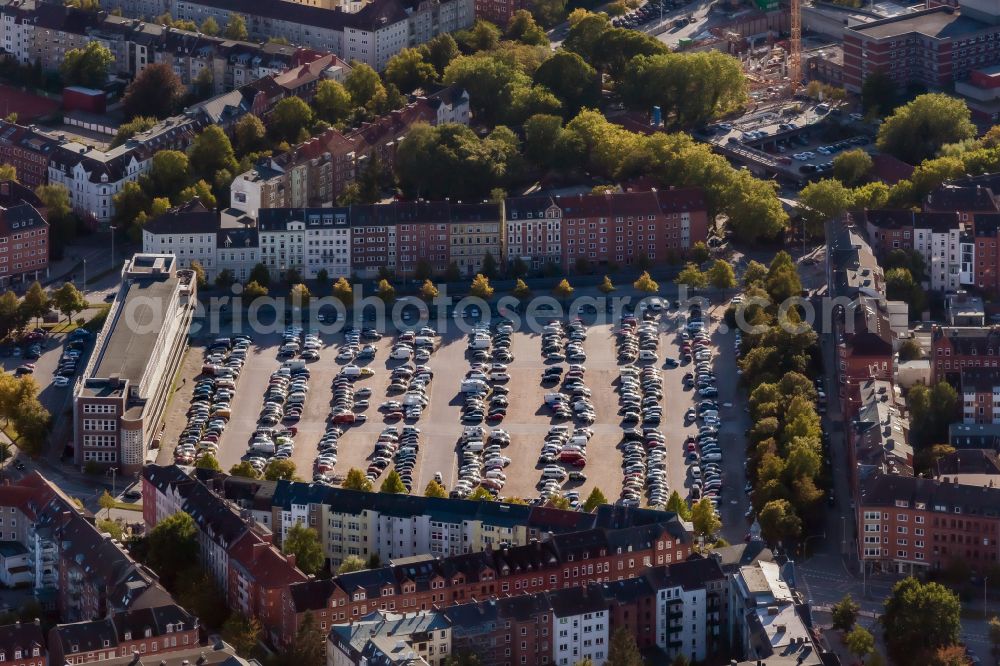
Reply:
x=580, y=631
x=306, y=240
x=680, y=621
x=16, y=32
x=940, y=246
x=218, y=241
x=94, y=177
x=534, y=230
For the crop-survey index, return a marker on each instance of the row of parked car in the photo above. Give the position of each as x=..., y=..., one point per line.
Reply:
x=211, y=401
x=352, y=350
x=400, y=449
x=412, y=381
x=71, y=356
x=562, y=447
x=482, y=461
x=564, y=343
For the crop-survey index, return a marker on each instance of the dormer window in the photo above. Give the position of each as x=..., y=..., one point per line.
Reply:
x=128, y=635
x=149, y=633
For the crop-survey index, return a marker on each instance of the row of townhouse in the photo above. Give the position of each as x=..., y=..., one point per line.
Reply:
x=693, y=609
x=418, y=583
x=73, y=568
x=360, y=241
x=314, y=173
x=35, y=31
x=93, y=177
x=370, y=33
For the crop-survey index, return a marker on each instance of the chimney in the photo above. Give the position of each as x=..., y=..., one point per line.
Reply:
x=291, y=559
x=258, y=548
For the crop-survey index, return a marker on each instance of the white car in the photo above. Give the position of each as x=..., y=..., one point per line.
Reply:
x=59, y=380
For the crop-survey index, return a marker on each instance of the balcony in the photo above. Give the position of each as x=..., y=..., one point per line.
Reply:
x=675, y=615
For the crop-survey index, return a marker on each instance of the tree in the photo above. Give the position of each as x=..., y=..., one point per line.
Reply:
x=208, y=461
x=343, y=291
x=303, y=542
x=300, y=295
x=595, y=499
x=356, y=480
x=914, y=132
x=279, y=469
x=878, y=94
x=350, y=564
x=778, y=521
x=851, y=166
x=7, y=172
x=919, y=618
x=168, y=173
x=559, y=502
x=860, y=642
x=172, y=546
x=932, y=409
x=900, y=285
x=563, y=290
x=106, y=502
x=253, y=290
x=261, y=275
x=480, y=287
x=290, y=119
x=332, y=102
x=68, y=300
x=225, y=279
x=910, y=350
x=483, y=36
x=236, y=28
x=428, y=291
x=676, y=504
x=408, y=70
x=36, y=302
x=571, y=79
x=88, y=66
x=623, y=650
x=692, y=277
x=112, y=527
x=244, y=469
x=480, y=494
x=606, y=287
x=549, y=12
x=489, y=266
x=845, y=613
x=365, y=87
x=199, y=274
x=522, y=28
x=156, y=91
x=210, y=27
x=721, y=275
x=521, y=290
x=251, y=135
x=210, y=153
x=703, y=517
x=307, y=649
x=242, y=632
x=435, y=489
x=821, y=201
x=386, y=291
x=129, y=129
x=645, y=283
x=393, y=484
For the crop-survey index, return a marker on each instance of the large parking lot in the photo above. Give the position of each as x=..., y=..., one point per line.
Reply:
x=527, y=419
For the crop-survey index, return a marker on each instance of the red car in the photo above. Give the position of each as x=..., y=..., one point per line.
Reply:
x=344, y=418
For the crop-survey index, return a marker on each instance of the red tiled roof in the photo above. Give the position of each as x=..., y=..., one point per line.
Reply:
x=263, y=562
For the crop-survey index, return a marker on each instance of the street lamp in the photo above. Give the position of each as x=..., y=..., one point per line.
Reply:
x=112, y=228
x=85, y=274
x=986, y=614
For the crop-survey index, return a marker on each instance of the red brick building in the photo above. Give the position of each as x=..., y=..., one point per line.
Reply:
x=24, y=244
x=258, y=575
x=907, y=524
x=22, y=644
x=863, y=353
x=499, y=11
x=955, y=348
x=966, y=200
x=28, y=151
x=979, y=391
x=147, y=632
x=985, y=266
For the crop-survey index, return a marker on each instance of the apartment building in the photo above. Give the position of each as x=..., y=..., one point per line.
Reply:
x=23, y=644
x=24, y=244
x=980, y=391
x=28, y=151
x=878, y=437
x=157, y=632
x=911, y=524
x=852, y=268
x=941, y=238
x=690, y=607
x=865, y=350
x=306, y=240
x=533, y=231
x=120, y=397
x=499, y=11
x=391, y=638
x=372, y=34
x=955, y=348
x=79, y=572
x=315, y=173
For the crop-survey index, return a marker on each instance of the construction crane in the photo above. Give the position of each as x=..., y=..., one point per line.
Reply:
x=795, y=48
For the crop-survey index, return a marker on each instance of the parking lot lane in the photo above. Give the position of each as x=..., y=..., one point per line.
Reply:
x=440, y=424
x=175, y=417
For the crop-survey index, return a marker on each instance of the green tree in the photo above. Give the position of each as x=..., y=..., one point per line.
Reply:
x=852, y=166
x=860, y=642
x=393, y=484
x=68, y=300
x=480, y=494
x=521, y=290
x=261, y=275
x=129, y=129
x=435, y=489
x=428, y=291
x=563, y=290
x=244, y=469
x=483, y=36
x=386, y=291
x=290, y=119
x=571, y=79
x=900, y=285
x=408, y=70
x=821, y=201
x=106, y=502
x=7, y=172
x=356, y=480
x=308, y=646
x=303, y=542
x=88, y=66
x=623, y=650
x=910, y=350
x=755, y=273
x=332, y=102
x=253, y=290
x=489, y=266
x=677, y=505
x=522, y=28
x=918, y=619
x=440, y=51
x=549, y=12
x=595, y=499
x=210, y=27
x=199, y=274
x=870, y=195
x=845, y=613
x=778, y=521
x=645, y=283
x=692, y=277
x=156, y=91
x=168, y=173
x=350, y=564
x=225, y=279
x=700, y=253
x=606, y=287
x=236, y=28
x=172, y=546
x=36, y=302
x=721, y=275
x=490, y=81
x=365, y=87
x=878, y=94
x=703, y=517
x=243, y=633
x=208, y=461
x=343, y=291
x=932, y=409
x=210, y=153
x=113, y=528
x=915, y=131
x=481, y=288
x=280, y=469
x=250, y=134
x=300, y=295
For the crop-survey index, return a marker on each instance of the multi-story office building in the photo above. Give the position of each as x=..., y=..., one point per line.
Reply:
x=120, y=397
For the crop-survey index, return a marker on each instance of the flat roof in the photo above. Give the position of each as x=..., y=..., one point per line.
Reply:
x=939, y=23
x=129, y=347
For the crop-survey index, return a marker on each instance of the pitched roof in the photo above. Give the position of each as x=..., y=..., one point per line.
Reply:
x=25, y=637
x=885, y=489
x=950, y=197
x=268, y=567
